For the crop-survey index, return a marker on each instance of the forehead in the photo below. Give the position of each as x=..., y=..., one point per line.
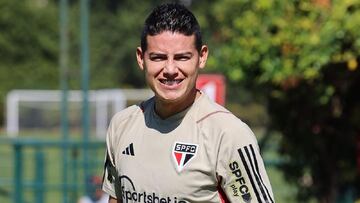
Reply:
x=170, y=42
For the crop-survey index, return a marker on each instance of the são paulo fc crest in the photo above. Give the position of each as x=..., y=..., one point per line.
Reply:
x=183, y=153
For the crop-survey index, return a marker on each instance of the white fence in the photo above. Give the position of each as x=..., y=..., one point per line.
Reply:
x=105, y=102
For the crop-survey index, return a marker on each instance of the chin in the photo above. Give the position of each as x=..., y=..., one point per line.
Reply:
x=169, y=96
x=173, y=97
x=170, y=99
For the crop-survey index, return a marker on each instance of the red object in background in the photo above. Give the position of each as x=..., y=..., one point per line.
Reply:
x=213, y=85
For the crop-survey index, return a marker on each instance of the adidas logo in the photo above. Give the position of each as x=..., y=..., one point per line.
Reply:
x=129, y=150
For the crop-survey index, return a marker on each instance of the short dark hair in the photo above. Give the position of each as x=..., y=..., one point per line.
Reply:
x=171, y=17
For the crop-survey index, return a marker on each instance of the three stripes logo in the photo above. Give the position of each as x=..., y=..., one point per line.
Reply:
x=183, y=153
x=249, y=160
x=129, y=150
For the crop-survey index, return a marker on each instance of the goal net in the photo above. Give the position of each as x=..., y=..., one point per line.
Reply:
x=34, y=111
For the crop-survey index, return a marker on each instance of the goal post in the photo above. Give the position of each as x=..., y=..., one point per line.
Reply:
x=40, y=107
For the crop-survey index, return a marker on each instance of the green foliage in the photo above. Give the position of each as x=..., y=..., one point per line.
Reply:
x=270, y=41
x=113, y=51
x=29, y=49
x=29, y=41
x=114, y=29
x=319, y=122
x=303, y=57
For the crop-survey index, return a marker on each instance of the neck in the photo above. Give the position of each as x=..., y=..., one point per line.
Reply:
x=166, y=109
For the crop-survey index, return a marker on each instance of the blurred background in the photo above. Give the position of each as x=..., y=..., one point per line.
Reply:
x=291, y=70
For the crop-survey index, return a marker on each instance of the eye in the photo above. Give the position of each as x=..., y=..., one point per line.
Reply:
x=182, y=57
x=157, y=57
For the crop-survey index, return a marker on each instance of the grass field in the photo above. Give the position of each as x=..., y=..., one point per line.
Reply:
x=53, y=171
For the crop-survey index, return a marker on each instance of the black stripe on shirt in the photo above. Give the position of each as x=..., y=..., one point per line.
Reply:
x=251, y=161
x=257, y=171
x=249, y=174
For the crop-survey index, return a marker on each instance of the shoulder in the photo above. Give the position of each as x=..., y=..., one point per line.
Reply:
x=129, y=116
x=131, y=111
x=209, y=112
x=126, y=114
x=217, y=121
x=208, y=109
x=122, y=122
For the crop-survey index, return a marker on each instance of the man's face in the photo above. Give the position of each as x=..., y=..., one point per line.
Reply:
x=171, y=63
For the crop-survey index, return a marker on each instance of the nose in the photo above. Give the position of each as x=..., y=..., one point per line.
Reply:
x=170, y=68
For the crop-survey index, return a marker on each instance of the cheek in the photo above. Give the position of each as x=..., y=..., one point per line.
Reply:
x=149, y=77
x=152, y=71
x=190, y=67
x=193, y=71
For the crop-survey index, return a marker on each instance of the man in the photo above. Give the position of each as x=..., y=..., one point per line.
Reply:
x=180, y=146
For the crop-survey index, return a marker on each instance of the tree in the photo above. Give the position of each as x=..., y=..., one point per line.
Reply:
x=28, y=46
x=303, y=57
x=114, y=32
x=29, y=41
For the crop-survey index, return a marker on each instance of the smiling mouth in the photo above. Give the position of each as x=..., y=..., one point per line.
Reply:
x=170, y=81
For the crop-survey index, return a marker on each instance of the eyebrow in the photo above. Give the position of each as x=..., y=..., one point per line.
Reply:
x=184, y=53
x=156, y=54
x=177, y=54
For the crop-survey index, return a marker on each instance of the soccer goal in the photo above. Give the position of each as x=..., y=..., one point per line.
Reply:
x=40, y=110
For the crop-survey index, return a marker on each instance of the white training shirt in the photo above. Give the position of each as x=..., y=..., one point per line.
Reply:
x=203, y=154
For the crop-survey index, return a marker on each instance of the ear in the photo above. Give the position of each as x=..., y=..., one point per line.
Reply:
x=203, y=56
x=140, y=58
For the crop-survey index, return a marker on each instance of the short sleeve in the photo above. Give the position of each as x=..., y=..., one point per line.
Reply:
x=240, y=167
x=108, y=184
x=110, y=173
